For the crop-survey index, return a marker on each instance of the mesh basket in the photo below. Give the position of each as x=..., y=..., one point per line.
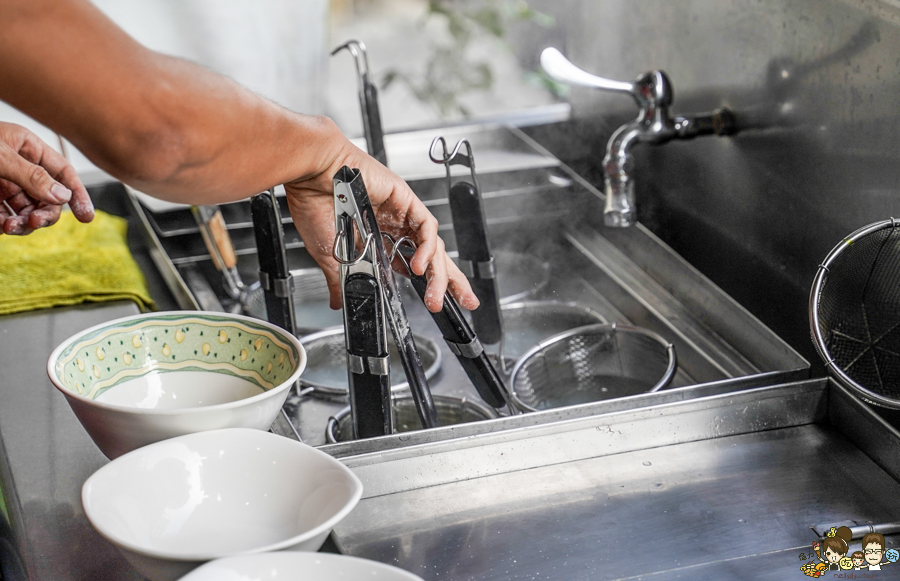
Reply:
x=527, y=323
x=450, y=411
x=326, y=366
x=590, y=364
x=311, y=302
x=855, y=312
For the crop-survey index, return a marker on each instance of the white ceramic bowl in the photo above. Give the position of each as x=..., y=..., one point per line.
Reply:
x=286, y=566
x=142, y=379
x=175, y=504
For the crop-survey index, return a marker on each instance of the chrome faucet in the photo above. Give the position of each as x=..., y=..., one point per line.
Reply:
x=654, y=125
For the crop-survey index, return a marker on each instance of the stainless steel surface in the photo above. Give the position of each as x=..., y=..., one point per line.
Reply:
x=592, y=363
x=46, y=454
x=183, y=294
x=817, y=80
x=520, y=276
x=720, y=487
x=654, y=125
x=853, y=310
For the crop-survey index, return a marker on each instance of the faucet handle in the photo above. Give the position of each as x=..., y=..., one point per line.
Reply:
x=561, y=69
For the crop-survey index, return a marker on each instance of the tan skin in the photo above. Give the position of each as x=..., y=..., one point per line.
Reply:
x=182, y=133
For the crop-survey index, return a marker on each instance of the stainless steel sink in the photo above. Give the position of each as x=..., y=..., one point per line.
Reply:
x=717, y=486
x=538, y=206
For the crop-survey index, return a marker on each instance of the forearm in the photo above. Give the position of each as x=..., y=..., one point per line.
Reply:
x=161, y=124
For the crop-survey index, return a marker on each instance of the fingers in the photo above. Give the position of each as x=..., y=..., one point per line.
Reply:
x=59, y=168
x=80, y=203
x=333, y=280
x=43, y=216
x=460, y=288
x=443, y=276
x=45, y=178
x=429, y=241
x=32, y=178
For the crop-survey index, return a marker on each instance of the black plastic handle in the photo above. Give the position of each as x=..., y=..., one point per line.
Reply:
x=272, y=260
x=375, y=141
x=476, y=260
x=457, y=333
x=370, y=389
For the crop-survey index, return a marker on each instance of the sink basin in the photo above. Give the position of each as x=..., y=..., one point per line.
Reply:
x=536, y=207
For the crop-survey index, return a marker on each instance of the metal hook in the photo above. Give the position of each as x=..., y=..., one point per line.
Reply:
x=395, y=247
x=457, y=157
x=362, y=256
x=358, y=49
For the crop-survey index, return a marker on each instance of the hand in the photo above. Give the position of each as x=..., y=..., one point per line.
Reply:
x=35, y=181
x=398, y=211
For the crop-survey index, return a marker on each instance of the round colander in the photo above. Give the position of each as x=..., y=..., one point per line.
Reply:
x=854, y=312
x=326, y=368
x=592, y=363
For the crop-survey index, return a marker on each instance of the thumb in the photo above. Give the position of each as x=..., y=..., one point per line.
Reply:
x=33, y=179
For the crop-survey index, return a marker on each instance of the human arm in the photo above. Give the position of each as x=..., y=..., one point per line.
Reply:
x=180, y=132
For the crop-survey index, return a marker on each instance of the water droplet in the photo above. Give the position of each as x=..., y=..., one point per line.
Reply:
x=646, y=462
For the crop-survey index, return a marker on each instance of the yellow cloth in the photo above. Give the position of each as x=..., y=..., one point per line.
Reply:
x=70, y=263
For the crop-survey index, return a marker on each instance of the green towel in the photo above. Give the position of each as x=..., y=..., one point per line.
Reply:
x=70, y=263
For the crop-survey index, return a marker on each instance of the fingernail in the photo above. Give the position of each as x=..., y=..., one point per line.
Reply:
x=60, y=193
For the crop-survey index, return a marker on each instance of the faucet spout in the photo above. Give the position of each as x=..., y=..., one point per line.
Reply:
x=654, y=125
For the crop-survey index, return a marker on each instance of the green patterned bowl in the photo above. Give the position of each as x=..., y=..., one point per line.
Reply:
x=141, y=379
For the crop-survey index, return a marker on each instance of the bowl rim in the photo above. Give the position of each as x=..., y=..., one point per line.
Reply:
x=237, y=432
x=288, y=337
x=307, y=555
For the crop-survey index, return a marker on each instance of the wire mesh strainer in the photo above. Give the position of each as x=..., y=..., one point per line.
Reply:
x=854, y=310
x=311, y=302
x=326, y=367
x=590, y=364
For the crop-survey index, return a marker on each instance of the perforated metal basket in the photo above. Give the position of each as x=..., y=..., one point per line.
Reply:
x=450, y=410
x=854, y=311
x=326, y=367
x=590, y=364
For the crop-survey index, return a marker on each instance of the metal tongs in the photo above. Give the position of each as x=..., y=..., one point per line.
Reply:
x=475, y=257
x=371, y=297
x=458, y=335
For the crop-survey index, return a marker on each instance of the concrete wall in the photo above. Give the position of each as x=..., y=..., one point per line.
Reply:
x=816, y=86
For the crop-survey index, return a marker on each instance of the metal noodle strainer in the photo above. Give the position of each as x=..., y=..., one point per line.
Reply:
x=854, y=311
x=326, y=367
x=451, y=411
x=311, y=302
x=592, y=363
